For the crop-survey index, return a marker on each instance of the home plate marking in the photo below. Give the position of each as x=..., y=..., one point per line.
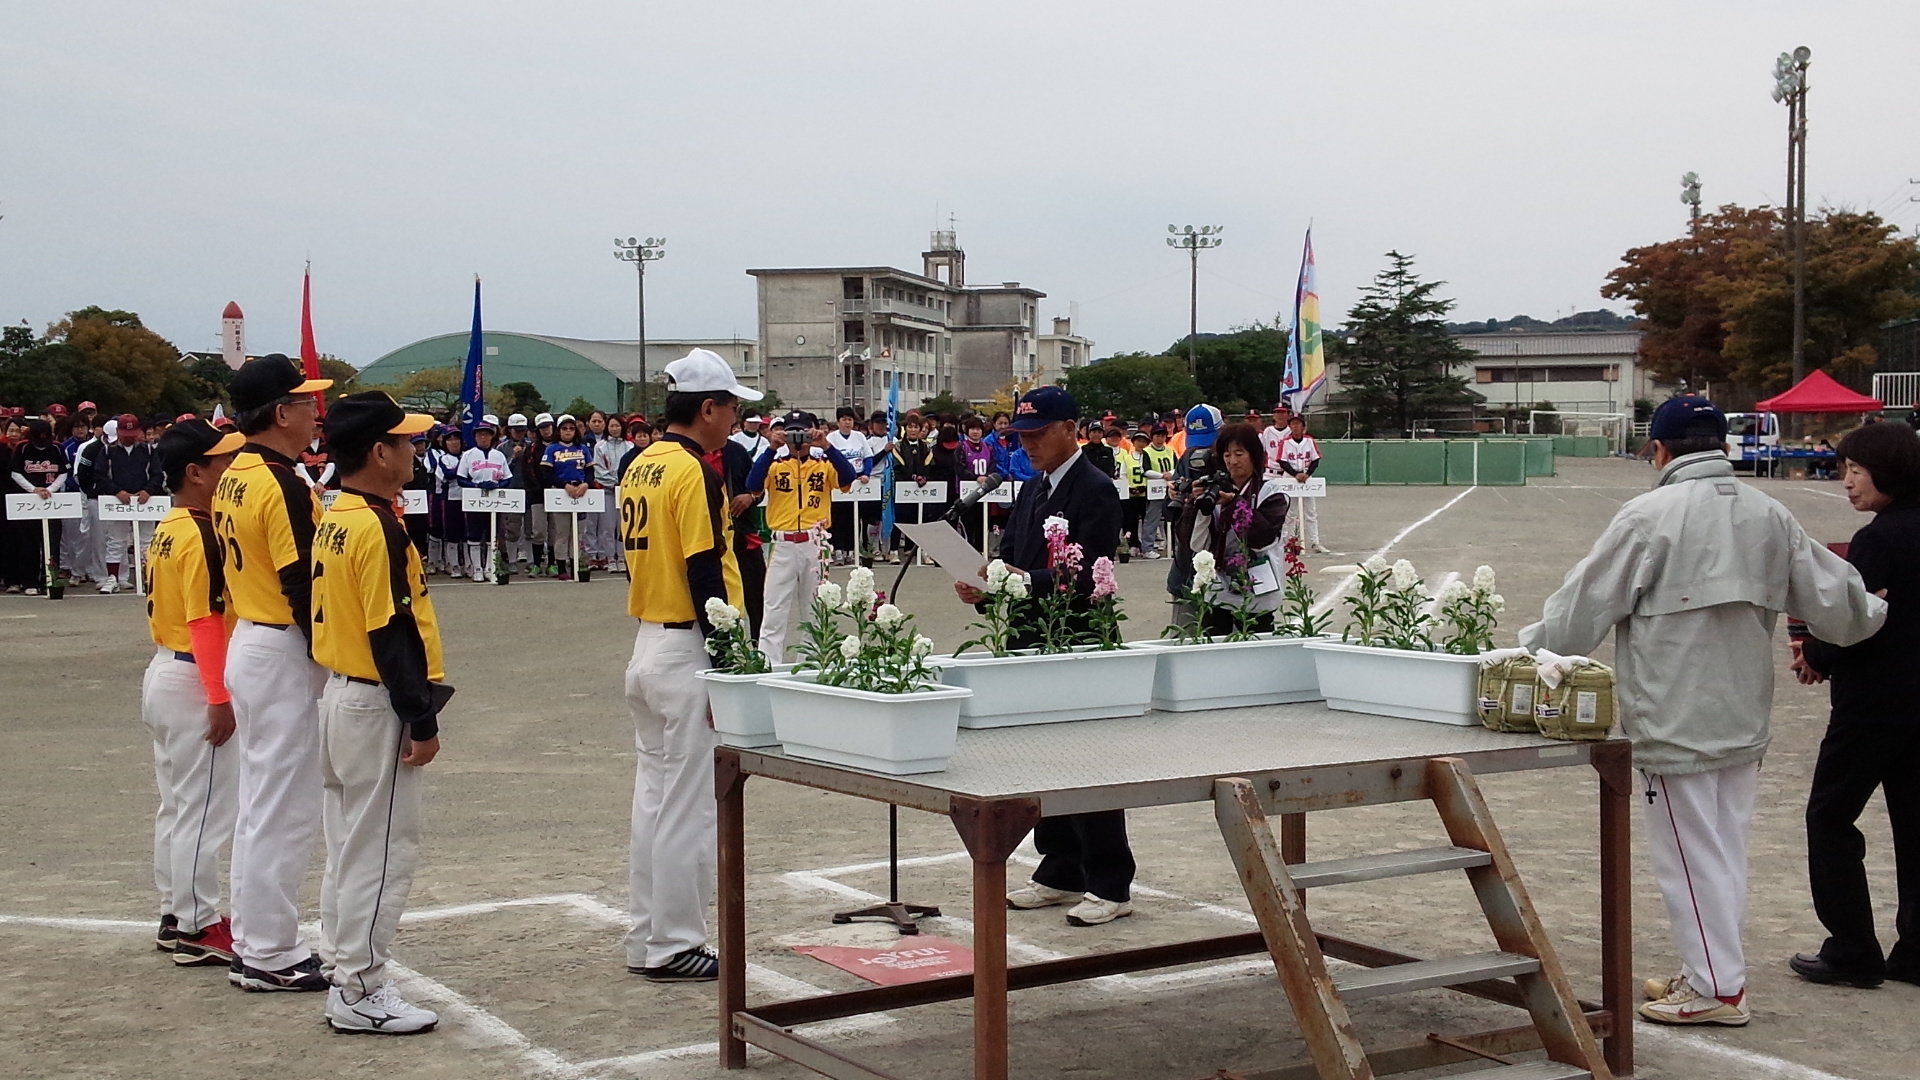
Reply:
x=913, y=960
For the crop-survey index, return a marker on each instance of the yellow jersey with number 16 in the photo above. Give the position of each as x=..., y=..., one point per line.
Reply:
x=264, y=515
x=673, y=507
x=365, y=572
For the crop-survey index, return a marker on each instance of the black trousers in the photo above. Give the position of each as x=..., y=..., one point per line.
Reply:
x=1086, y=853
x=1854, y=760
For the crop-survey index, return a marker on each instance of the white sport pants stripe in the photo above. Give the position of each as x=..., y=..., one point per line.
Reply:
x=276, y=692
x=1697, y=828
x=373, y=831
x=671, y=875
x=197, y=790
x=793, y=573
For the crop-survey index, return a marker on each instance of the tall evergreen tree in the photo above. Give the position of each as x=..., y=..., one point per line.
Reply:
x=1399, y=365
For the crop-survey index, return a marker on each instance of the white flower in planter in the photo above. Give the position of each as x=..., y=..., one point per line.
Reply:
x=1497, y=602
x=888, y=617
x=1405, y=577
x=1204, y=572
x=860, y=594
x=1454, y=590
x=850, y=647
x=922, y=646
x=722, y=615
x=997, y=573
x=1483, y=579
x=1374, y=565
x=1015, y=586
x=830, y=595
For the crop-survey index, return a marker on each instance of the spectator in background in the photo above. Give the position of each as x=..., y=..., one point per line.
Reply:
x=1157, y=464
x=39, y=468
x=128, y=470
x=1873, y=733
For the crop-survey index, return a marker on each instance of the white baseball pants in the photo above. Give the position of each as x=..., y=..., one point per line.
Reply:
x=197, y=790
x=373, y=831
x=276, y=692
x=117, y=541
x=671, y=876
x=1303, y=520
x=793, y=575
x=1697, y=828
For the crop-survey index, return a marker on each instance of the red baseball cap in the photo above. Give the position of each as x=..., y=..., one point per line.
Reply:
x=85, y=405
x=129, y=422
x=56, y=409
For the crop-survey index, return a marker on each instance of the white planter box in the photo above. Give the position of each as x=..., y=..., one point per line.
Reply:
x=885, y=733
x=1028, y=688
x=1230, y=674
x=1440, y=688
x=740, y=711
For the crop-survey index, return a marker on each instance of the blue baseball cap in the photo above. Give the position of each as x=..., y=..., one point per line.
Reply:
x=1203, y=426
x=1684, y=416
x=1044, y=405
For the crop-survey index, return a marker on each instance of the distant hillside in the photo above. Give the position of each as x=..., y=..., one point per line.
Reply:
x=1579, y=321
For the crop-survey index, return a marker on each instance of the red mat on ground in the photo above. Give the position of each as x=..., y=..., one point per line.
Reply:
x=915, y=959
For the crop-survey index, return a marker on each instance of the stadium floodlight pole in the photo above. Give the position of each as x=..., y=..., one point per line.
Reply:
x=1790, y=89
x=1194, y=241
x=1690, y=194
x=640, y=253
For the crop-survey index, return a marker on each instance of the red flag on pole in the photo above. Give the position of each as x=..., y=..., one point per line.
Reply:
x=309, y=352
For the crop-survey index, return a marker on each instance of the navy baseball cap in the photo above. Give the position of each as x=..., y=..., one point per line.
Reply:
x=1044, y=405
x=1688, y=415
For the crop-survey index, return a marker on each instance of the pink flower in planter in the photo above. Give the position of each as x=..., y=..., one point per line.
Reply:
x=1103, y=583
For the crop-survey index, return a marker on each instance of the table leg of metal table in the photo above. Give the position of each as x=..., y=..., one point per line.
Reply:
x=729, y=789
x=1293, y=844
x=991, y=829
x=1615, y=765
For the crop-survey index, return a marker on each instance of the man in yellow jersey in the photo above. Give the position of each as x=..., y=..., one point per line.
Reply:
x=677, y=535
x=184, y=698
x=264, y=515
x=798, y=477
x=374, y=630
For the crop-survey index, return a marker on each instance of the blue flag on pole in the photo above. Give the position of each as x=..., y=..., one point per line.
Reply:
x=473, y=383
x=886, y=472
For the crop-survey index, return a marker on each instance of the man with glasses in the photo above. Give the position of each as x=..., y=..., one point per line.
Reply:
x=264, y=517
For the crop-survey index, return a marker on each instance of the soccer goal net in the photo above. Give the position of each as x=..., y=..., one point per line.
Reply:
x=1614, y=427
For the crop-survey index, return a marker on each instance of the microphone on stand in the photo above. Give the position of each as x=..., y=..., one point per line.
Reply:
x=972, y=498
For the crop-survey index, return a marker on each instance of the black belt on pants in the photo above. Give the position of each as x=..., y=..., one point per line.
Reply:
x=688, y=625
x=187, y=656
x=274, y=625
x=361, y=681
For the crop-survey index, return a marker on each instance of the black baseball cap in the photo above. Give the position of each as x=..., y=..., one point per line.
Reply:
x=357, y=421
x=1044, y=405
x=266, y=379
x=193, y=441
x=798, y=418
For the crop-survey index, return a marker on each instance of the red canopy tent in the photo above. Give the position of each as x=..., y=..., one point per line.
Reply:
x=1818, y=393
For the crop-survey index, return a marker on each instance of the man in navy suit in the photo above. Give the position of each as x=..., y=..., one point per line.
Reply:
x=1083, y=856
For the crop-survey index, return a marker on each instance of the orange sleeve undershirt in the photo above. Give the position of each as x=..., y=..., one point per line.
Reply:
x=210, y=656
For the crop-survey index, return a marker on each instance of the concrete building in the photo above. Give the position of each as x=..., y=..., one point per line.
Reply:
x=1577, y=372
x=831, y=336
x=1062, y=351
x=562, y=368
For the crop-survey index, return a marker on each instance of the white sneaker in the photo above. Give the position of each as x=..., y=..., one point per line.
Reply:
x=383, y=1012
x=1318, y=549
x=1685, y=1005
x=479, y=575
x=109, y=587
x=1035, y=895
x=1093, y=911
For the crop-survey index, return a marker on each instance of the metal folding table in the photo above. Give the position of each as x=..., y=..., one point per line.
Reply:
x=1301, y=758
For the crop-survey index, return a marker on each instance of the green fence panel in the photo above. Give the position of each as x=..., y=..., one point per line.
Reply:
x=1563, y=446
x=1592, y=446
x=1539, y=457
x=1503, y=462
x=1343, y=461
x=1407, y=462
x=1460, y=460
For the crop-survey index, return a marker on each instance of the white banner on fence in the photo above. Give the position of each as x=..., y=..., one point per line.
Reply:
x=1310, y=488
x=108, y=508
x=593, y=501
x=1002, y=495
x=499, y=501
x=31, y=507
x=932, y=492
x=413, y=501
x=863, y=489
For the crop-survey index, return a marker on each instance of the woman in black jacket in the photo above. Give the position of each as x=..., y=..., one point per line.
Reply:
x=1873, y=736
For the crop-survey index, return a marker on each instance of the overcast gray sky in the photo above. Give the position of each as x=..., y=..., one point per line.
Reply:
x=167, y=157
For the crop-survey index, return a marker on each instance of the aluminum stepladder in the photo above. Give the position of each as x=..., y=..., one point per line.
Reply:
x=1319, y=997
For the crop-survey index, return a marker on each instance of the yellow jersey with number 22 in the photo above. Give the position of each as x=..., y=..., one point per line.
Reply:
x=673, y=507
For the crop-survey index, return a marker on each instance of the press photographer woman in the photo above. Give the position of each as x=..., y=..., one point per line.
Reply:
x=1240, y=518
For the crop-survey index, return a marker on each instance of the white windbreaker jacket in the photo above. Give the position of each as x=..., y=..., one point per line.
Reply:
x=1691, y=577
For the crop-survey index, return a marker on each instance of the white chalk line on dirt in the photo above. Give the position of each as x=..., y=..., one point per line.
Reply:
x=1828, y=494
x=1325, y=603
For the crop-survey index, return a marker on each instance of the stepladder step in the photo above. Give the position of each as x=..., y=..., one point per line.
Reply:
x=1392, y=864
x=1531, y=1070
x=1428, y=974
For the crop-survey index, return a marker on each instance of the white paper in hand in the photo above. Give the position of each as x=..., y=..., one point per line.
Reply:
x=947, y=546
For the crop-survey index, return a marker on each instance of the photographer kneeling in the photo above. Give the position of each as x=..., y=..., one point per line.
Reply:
x=1239, y=515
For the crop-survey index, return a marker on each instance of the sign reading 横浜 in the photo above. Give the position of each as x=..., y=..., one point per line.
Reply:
x=498, y=501
x=31, y=507
x=109, y=508
x=591, y=501
x=925, y=958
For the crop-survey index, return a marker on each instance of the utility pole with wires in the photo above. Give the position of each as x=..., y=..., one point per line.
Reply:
x=1194, y=241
